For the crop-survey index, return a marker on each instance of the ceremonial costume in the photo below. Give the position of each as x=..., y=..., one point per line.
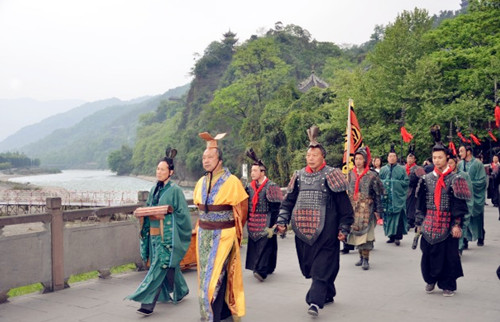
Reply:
x=437, y=212
x=222, y=203
x=395, y=183
x=477, y=174
x=365, y=193
x=318, y=207
x=263, y=207
x=163, y=243
x=414, y=173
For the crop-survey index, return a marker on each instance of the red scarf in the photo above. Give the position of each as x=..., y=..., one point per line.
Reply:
x=439, y=186
x=255, y=198
x=309, y=170
x=408, y=168
x=358, y=179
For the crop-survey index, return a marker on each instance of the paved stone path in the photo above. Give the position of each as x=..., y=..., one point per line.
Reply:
x=392, y=290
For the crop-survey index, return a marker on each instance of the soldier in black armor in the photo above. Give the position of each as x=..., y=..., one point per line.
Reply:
x=441, y=207
x=264, y=202
x=321, y=215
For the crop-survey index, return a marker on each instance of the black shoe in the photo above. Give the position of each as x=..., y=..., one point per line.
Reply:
x=397, y=242
x=258, y=276
x=329, y=300
x=429, y=288
x=390, y=241
x=466, y=244
x=480, y=242
x=313, y=310
x=145, y=312
x=345, y=250
x=360, y=262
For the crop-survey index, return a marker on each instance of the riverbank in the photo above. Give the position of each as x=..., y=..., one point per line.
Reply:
x=182, y=183
x=7, y=186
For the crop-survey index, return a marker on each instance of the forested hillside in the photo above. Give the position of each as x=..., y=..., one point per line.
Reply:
x=411, y=70
x=34, y=132
x=88, y=143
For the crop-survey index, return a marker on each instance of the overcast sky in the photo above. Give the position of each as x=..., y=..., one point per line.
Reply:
x=96, y=49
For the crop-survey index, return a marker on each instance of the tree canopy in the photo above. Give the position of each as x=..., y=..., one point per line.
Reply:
x=413, y=72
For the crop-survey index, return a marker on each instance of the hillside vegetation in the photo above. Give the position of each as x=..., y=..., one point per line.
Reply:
x=88, y=142
x=412, y=70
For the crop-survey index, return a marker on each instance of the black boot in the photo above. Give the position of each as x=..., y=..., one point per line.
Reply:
x=466, y=244
x=360, y=262
x=365, y=265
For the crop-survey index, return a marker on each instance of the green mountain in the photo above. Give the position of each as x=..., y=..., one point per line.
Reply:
x=413, y=72
x=88, y=143
x=34, y=132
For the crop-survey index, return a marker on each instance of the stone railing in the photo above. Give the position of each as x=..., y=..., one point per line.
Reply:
x=70, y=242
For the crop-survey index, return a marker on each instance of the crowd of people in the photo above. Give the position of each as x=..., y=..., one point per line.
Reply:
x=442, y=201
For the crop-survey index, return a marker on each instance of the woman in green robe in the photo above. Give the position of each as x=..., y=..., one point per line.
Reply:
x=164, y=242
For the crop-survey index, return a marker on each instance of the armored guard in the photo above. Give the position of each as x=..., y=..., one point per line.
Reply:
x=264, y=202
x=321, y=216
x=441, y=208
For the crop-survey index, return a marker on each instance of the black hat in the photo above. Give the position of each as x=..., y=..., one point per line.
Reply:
x=169, y=157
x=436, y=134
x=393, y=149
x=411, y=150
x=312, y=133
x=256, y=161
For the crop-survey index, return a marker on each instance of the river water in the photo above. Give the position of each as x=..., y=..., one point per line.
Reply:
x=86, y=181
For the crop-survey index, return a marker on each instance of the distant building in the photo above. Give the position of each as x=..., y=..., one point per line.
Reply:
x=312, y=81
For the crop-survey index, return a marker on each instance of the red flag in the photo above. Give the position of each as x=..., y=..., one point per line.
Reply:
x=492, y=136
x=475, y=139
x=497, y=115
x=463, y=138
x=451, y=147
x=356, y=139
x=407, y=137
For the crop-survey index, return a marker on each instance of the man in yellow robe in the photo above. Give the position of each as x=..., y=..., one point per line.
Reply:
x=223, y=206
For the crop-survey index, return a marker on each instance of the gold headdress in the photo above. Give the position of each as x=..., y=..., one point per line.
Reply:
x=211, y=141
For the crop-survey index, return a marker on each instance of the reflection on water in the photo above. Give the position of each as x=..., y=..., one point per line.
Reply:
x=92, y=180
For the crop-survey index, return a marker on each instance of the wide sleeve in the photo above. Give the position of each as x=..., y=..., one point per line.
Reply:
x=240, y=212
x=182, y=225
x=197, y=192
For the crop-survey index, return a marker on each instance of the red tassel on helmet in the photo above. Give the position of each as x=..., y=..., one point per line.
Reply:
x=463, y=138
x=451, y=147
x=407, y=137
x=475, y=139
x=492, y=136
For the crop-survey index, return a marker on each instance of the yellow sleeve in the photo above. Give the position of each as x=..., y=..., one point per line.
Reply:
x=197, y=192
x=231, y=193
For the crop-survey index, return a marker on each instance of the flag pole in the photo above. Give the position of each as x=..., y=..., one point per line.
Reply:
x=349, y=138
